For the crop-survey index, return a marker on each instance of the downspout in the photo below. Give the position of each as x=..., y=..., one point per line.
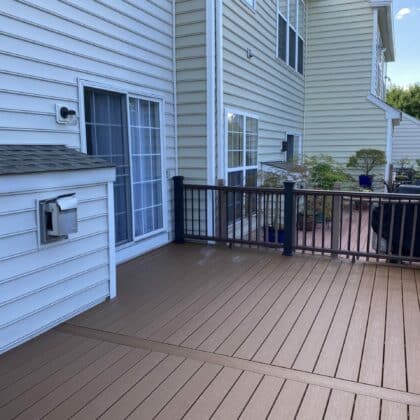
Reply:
x=211, y=91
x=219, y=91
x=174, y=82
x=388, y=153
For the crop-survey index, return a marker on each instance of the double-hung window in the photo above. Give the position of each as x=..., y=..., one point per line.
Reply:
x=291, y=33
x=126, y=130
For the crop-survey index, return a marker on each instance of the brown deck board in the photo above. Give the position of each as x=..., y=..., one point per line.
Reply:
x=288, y=401
x=394, y=360
x=297, y=335
x=366, y=408
x=353, y=346
x=412, y=330
x=237, y=398
x=268, y=304
x=93, y=388
x=212, y=397
x=393, y=411
x=263, y=398
x=340, y=405
x=230, y=333
x=268, y=350
x=256, y=338
x=311, y=348
x=185, y=398
x=314, y=403
x=150, y=407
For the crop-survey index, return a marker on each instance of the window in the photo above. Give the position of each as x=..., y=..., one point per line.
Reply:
x=242, y=151
x=131, y=139
x=291, y=33
x=292, y=148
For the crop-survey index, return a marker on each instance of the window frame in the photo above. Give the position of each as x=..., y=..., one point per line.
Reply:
x=299, y=35
x=297, y=136
x=250, y=3
x=148, y=96
x=244, y=167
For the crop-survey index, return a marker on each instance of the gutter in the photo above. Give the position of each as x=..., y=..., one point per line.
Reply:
x=393, y=118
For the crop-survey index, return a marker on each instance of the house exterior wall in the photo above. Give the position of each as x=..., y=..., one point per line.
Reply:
x=406, y=142
x=263, y=86
x=191, y=75
x=339, y=119
x=48, y=48
x=43, y=285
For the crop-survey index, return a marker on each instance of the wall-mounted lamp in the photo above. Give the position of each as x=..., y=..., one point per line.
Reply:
x=65, y=115
x=249, y=53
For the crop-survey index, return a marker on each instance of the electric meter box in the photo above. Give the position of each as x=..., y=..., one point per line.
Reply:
x=58, y=218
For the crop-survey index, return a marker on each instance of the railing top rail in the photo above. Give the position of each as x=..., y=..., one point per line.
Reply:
x=358, y=194
x=237, y=189
x=273, y=190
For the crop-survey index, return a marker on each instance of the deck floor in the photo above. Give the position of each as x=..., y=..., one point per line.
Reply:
x=208, y=332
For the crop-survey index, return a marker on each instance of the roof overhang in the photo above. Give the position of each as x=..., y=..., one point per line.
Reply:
x=386, y=26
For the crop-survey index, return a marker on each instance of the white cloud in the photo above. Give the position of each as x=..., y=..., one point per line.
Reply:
x=402, y=13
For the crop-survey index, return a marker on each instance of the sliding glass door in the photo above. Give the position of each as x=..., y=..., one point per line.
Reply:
x=126, y=131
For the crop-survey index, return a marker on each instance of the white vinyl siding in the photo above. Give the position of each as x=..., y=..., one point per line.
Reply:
x=339, y=119
x=48, y=47
x=406, y=142
x=262, y=85
x=43, y=285
x=191, y=89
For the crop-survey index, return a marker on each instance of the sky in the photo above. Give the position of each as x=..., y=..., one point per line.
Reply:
x=406, y=68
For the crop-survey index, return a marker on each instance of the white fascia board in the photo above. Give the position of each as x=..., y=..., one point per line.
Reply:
x=388, y=36
x=391, y=113
x=10, y=184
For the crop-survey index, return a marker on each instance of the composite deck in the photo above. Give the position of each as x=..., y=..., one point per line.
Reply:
x=209, y=332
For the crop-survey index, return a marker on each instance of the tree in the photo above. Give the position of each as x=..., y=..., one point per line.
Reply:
x=367, y=160
x=405, y=99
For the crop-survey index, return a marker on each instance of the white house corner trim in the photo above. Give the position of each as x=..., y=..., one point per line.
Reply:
x=175, y=95
x=111, y=242
x=374, y=53
x=211, y=90
x=219, y=91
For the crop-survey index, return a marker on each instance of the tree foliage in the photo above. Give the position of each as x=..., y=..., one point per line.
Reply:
x=367, y=160
x=406, y=100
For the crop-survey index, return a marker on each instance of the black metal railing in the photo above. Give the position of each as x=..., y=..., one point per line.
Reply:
x=338, y=223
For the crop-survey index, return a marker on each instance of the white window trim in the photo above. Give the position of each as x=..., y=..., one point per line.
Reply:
x=298, y=36
x=243, y=167
x=252, y=4
x=120, y=89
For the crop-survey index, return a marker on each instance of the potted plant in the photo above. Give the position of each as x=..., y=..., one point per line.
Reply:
x=366, y=160
x=324, y=172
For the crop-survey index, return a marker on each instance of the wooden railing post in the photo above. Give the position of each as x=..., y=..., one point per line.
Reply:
x=222, y=207
x=179, y=209
x=289, y=218
x=336, y=221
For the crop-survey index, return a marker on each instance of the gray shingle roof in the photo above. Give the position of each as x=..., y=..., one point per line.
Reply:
x=22, y=159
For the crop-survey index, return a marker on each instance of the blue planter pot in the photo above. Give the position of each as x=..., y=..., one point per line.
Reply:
x=270, y=235
x=365, y=181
